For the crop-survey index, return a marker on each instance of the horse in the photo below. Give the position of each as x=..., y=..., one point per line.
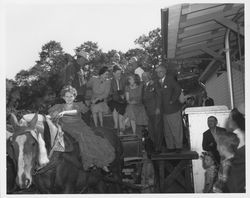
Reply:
x=54, y=171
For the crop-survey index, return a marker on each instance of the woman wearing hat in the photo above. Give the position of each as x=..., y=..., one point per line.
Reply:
x=100, y=90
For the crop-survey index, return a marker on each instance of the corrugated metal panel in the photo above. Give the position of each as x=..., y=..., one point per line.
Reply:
x=238, y=87
x=217, y=88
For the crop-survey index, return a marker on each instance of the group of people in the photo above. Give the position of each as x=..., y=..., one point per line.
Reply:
x=224, y=159
x=137, y=98
x=134, y=98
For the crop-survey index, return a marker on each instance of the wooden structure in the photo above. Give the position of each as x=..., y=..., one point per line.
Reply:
x=175, y=164
x=208, y=38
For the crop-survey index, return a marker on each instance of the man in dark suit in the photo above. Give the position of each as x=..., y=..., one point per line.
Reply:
x=151, y=101
x=209, y=137
x=117, y=102
x=171, y=109
x=206, y=101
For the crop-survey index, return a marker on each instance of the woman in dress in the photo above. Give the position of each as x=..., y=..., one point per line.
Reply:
x=100, y=90
x=94, y=150
x=135, y=111
x=117, y=103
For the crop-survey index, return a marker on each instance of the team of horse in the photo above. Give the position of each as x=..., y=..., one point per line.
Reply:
x=33, y=161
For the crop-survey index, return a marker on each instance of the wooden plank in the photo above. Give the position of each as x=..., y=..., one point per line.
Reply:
x=180, y=179
x=201, y=28
x=203, y=12
x=162, y=175
x=230, y=24
x=175, y=173
x=173, y=27
x=198, y=46
x=209, y=17
x=189, y=155
x=200, y=38
x=188, y=177
x=211, y=52
x=198, y=52
x=197, y=7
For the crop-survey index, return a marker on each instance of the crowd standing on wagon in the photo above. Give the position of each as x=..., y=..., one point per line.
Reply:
x=144, y=100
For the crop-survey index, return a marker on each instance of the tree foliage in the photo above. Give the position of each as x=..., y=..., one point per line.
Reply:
x=32, y=88
x=152, y=46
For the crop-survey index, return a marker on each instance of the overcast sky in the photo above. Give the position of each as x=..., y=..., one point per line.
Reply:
x=112, y=25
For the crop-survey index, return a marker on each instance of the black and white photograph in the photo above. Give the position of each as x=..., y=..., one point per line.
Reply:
x=123, y=98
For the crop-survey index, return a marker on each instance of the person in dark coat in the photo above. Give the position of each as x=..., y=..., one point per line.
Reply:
x=205, y=100
x=117, y=102
x=236, y=182
x=151, y=101
x=209, y=137
x=171, y=109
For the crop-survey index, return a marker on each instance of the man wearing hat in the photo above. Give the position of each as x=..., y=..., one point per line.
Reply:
x=170, y=91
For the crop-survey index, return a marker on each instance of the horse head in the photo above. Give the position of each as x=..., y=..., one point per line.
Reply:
x=28, y=148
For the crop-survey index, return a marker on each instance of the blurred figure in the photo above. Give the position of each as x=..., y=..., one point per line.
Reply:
x=210, y=136
x=151, y=101
x=237, y=175
x=227, y=143
x=209, y=164
x=100, y=90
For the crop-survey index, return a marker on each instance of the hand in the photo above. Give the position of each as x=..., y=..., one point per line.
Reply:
x=61, y=114
x=57, y=115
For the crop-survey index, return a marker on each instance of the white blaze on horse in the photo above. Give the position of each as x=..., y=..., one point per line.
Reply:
x=29, y=146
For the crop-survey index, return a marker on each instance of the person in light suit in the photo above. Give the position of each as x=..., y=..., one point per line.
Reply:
x=170, y=91
x=151, y=101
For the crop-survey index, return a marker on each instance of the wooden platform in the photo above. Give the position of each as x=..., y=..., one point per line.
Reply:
x=187, y=155
x=179, y=169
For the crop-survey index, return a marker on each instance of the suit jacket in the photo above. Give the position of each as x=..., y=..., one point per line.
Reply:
x=169, y=95
x=236, y=182
x=209, y=102
x=209, y=143
x=114, y=88
x=151, y=97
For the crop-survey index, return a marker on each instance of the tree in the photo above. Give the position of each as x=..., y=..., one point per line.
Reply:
x=152, y=46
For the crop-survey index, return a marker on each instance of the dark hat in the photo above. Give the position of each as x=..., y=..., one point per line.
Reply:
x=103, y=70
x=116, y=68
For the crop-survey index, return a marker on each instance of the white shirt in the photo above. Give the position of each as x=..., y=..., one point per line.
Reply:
x=241, y=137
x=162, y=80
x=117, y=82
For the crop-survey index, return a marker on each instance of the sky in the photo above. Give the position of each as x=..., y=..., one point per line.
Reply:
x=113, y=25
